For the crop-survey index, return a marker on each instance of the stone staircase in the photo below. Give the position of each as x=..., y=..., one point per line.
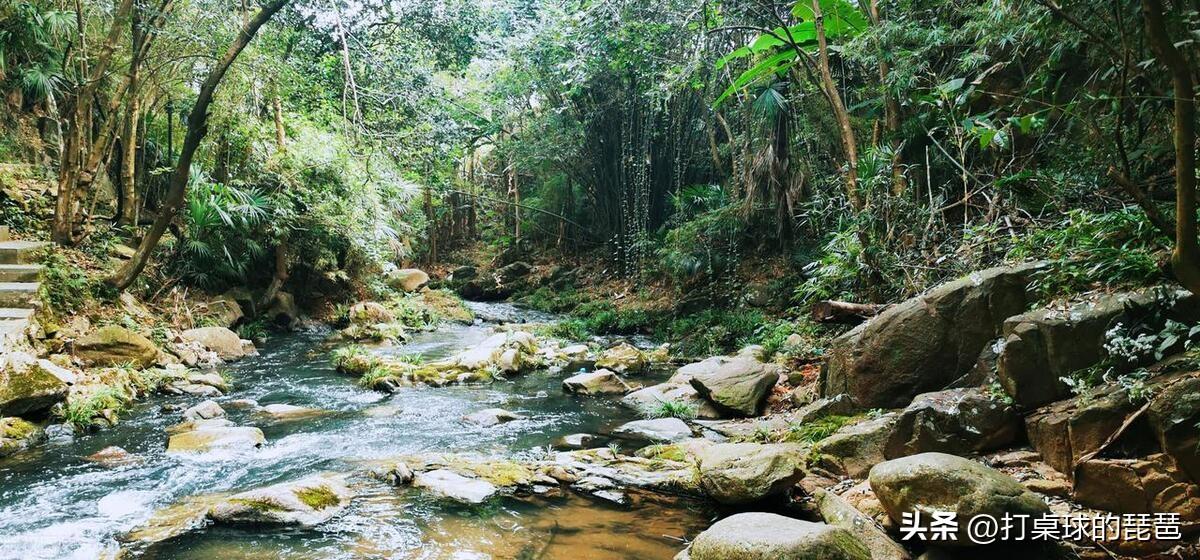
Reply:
x=19, y=281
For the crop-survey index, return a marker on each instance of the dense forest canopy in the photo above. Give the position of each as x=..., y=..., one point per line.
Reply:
x=872, y=147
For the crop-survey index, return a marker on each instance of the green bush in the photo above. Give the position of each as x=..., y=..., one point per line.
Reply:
x=1117, y=248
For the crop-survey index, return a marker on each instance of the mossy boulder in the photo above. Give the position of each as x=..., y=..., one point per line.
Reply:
x=305, y=503
x=370, y=313
x=768, y=536
x=931, y=482
x=406, y=279
x=114, y=345
x=623, y=358
x=738, y=385
x=30, y=386
x=18, y=435
x=741, y=473
x=209, y=438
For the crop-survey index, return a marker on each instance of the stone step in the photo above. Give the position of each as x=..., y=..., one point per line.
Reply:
x=13, y=313
x=20, y=252
x=20, y=272
x=18, y=294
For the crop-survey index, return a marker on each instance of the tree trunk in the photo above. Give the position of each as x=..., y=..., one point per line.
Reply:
x=845, y=130
x=280, y=135
x=197, y=129
x=64, y=208
x=1185, y=260
x=891, y=111
x=128, y=202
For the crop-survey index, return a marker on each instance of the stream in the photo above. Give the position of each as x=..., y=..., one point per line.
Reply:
x=54, y=503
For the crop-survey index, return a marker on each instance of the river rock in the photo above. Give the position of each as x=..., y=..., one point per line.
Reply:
x=225, y=343
x=768, y=536
x=206, y=410
x=939, y=482
x=838, y=512
x=853, y=449
x=741, y=473
x=370, y=313
x=576, y=441
x=599, y=382
x=305, y=503
x=216, y=438
x=489, y=417
x=927, y=342
x=1042, y=346
x=954, y=421
x=623, y=358
x=649, y=400
x=406, y=279
x=449, y=484
x=289, y=412
x=283, y=311
x=739, y=385
x=113, y=345
x=29, y=385
x=658, y=430
x=224, y=311
x=113, y=456
x=18, y=435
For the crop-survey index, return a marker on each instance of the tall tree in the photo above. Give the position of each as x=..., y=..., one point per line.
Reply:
x=196, y=130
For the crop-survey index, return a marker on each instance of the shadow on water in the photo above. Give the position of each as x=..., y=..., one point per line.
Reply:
x=56, y=504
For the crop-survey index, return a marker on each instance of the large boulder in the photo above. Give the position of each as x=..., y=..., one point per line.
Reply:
x=18, y=435
x=838, y=512
x=224, y=311
x=659, y=430
x=29, y=385
x=406, y=279
x=283, y=311
x=931, y=482
x=113, y=345
x=926, y=343
x=954, y=421
x=370, y=313
x=650, y=400
x=1042, y=346
x=741, y=473
x=305, y=503
x=738, y=385
x=1065, y=431
x=599, y=382
x=853, y=449
x=225, y=343
x=768, y=536
x=623, y=358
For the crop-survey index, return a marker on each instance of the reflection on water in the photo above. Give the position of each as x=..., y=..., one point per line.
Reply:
x=55, y=504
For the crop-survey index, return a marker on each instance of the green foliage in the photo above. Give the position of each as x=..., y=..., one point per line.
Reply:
x=82, y=413
x=65, y=288
x=674, y=409
x=773, y=336
x=1086, y=248
x=713, y=331
x=817, y=430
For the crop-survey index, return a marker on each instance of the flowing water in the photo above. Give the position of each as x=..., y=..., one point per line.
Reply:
x=56, y=504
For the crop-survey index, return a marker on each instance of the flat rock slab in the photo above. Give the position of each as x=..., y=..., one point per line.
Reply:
x=767, y=536
x=449, y=484
x=659, y=430
x=307, y=502
x=216, y=438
